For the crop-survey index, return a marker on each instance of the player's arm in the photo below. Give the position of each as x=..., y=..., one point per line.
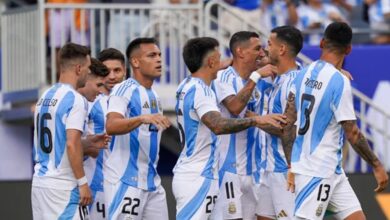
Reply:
x=289, y=130
x=267, y=128
x=220, y=125
x=117, y=124
x=360, y=145
x=235, y=104
x=75, y=155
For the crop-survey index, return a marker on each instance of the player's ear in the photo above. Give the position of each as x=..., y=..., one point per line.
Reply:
x=134, y=62
x=78, y=69
x=283, y=49
x=322, y=43
x=348, y=49
x=239, y=52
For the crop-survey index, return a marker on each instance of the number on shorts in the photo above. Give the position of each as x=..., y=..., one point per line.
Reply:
x=210, y=201
x=133, y=203
x=326, y=191
x=83, y=212
x=311, y=99
x=101, y=209
x=43, y=131
x=229, y=190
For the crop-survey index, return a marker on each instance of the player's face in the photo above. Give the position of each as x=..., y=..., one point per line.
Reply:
x=116, y=74
x=93, y=88
x=273, y=49
x=83, y=72
x=214, y=60
x=253, y=53
x=150, y=60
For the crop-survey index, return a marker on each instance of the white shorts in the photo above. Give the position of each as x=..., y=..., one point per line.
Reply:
x=98, y=209
x=315, y=195
x=236, y=198
x=275, y=202
x=127, y=202
x=48, y=204
x=195, y=197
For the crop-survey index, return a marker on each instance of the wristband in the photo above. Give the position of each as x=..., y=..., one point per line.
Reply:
x=83, y=180
x=255, y=77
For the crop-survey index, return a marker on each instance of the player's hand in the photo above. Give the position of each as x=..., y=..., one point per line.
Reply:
x=347, y=74
x=267, y=70
x=274, y=120
x=249, y=114
x=85, y=195
x=160, y=121
x=99, y=140
x=290, y=181
x=381, y=178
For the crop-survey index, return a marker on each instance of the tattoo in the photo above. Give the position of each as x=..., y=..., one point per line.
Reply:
x=219, y=125
x=272, y=130
x=289, y=131
x=236, y=103
x=359, y=142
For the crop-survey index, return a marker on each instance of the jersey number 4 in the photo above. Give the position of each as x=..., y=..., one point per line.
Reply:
x=43, y=131
x=307, y=109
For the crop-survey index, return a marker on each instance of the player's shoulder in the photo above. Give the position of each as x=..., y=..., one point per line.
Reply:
x=128, y=85
x=225, y=75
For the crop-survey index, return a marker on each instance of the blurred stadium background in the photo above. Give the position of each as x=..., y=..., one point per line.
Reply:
x=28, y=67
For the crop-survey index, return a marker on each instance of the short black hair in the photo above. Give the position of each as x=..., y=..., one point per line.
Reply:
x=338, y=35
x=196, y=49
x=291, y=36
x=71, y=52
x=111, y=54
x=241, y=37
x=135, y=44
x=98, y=68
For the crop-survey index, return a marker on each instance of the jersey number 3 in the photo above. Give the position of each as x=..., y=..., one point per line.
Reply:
x=43, y=131
x=306, y=111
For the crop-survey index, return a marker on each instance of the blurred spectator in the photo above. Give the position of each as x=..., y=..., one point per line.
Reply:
x=278, y=13
x=314, y=16
x=249, y=9
x=379, y=18
x=62, y=21
x=126, y=25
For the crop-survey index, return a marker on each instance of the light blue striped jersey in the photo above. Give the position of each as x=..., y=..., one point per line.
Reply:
x=275, y=14
x=236, y=154
x=198, y=157
x=377, y=10
x=59, y=108
x=134, y=156
x=323, y=99
x=96, y=125
x=276, y=160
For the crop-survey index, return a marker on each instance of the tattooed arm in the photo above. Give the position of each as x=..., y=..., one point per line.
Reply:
x=220, y=125
x=289, y=131
x=360, y=145
x=236, y=103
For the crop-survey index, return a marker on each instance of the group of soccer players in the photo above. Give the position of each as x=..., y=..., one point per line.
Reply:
x=261, y=138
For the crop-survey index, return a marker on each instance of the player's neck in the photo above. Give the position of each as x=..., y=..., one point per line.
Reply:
x=241, y=69
x=143, y=80
x=105, y=91
x=204, y=76
x=335, y=59
x=68, y=78
x=285, y=65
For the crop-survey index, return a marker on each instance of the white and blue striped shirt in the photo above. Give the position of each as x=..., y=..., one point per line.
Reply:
x=237, y=151
x=96, y=125
x=134, y=156
x=276, y=160
x=377, y=10
x=323, y=99
x=198, y=157
x=60, y=108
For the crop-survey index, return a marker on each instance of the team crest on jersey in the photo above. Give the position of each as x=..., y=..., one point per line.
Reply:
x=319, y=210
x=153, y=103
x=232, y=208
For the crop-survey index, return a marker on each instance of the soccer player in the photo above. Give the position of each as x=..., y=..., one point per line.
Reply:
x=236, y=91
x=95, y=80
x=132, y=186
x=114, y=62
x=320, y=105
x=59, y=187
x=195, y=185
x=284, y=43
